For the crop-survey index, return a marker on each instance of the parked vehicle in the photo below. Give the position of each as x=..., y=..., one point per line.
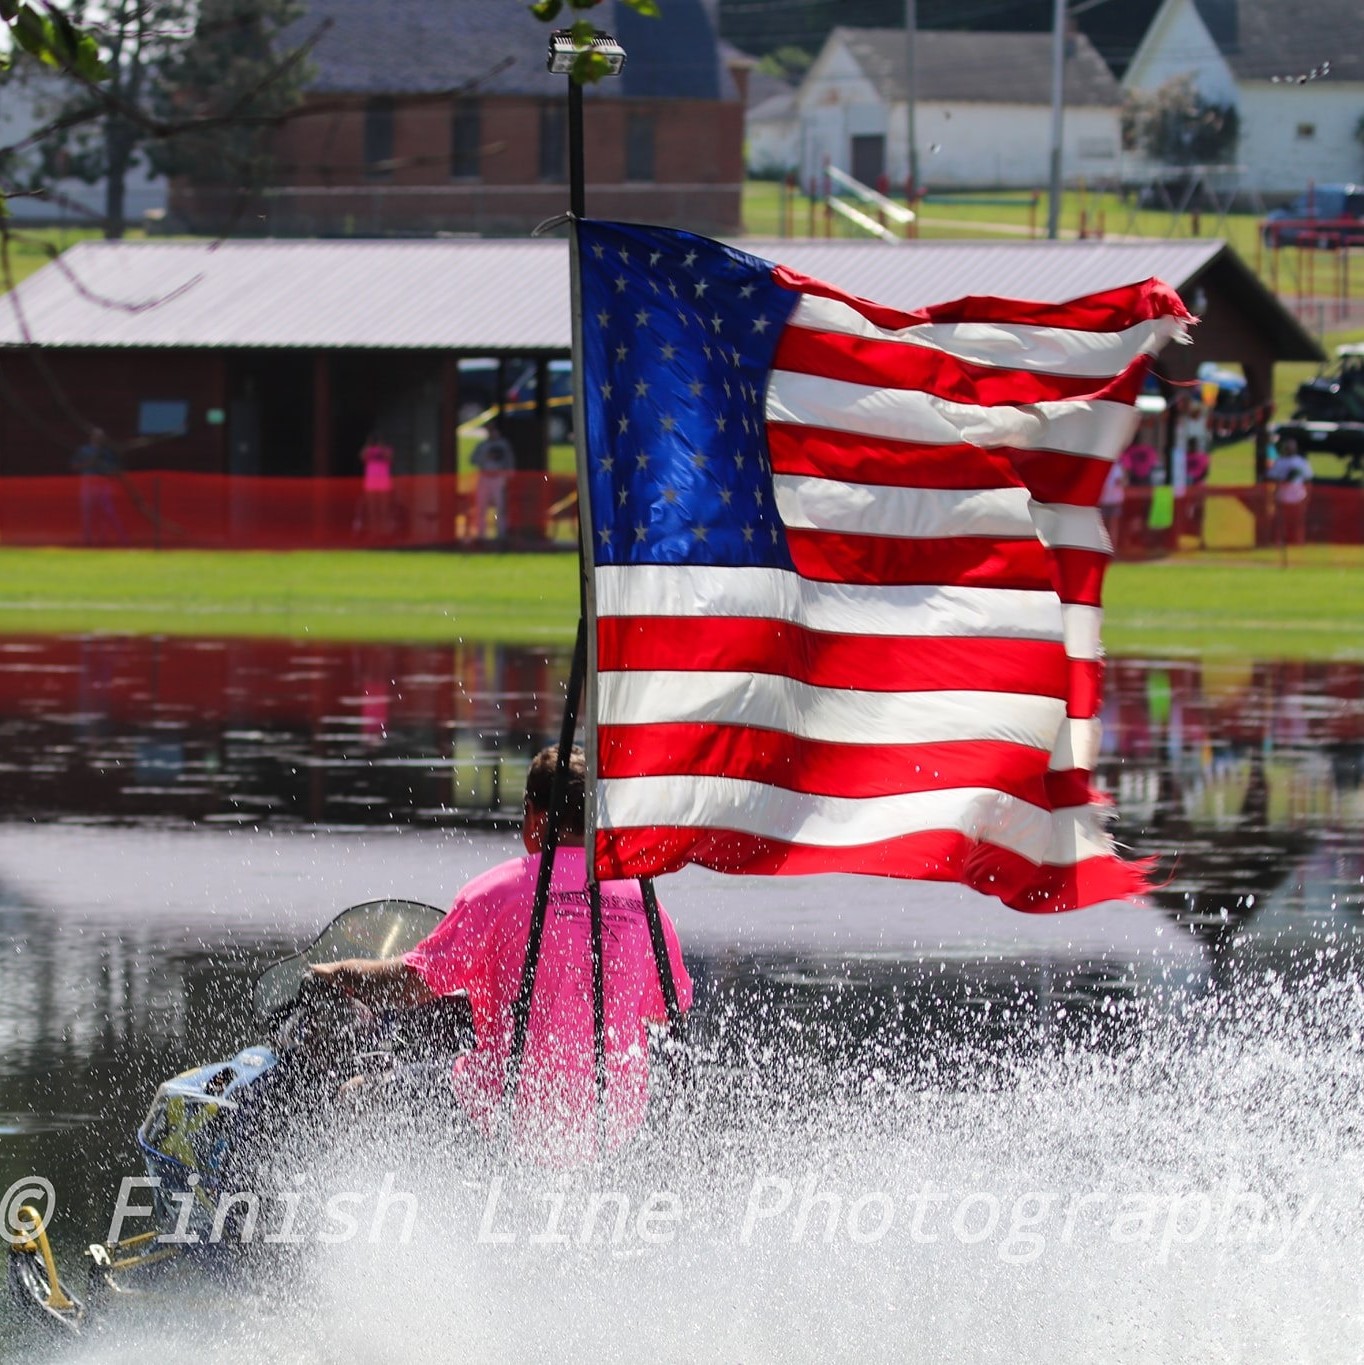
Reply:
x=1328, y=415
x=1323, y=216
x=1337, y=393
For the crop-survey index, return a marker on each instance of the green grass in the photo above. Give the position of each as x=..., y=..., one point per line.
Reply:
x=304, y=594
x=1247, y=604
x=1013, y=214
x=30, y=249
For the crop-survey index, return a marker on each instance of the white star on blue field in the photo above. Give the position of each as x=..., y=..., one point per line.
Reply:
x=678, y=338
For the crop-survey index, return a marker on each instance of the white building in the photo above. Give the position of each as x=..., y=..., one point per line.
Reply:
x=982, y=109
x=1299, y=124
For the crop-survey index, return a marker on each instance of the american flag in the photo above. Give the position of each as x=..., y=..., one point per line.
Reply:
x=844, y=572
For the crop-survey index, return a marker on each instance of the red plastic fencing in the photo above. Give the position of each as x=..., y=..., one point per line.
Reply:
x=169, y=510
x=212, y=511
x=1230, y=518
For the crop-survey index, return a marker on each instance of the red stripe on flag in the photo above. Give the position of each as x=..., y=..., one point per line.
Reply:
x=867, y=662
x=1054, y=477
x=818, y=767
x=1080, y=575
x=961, y=561
x=1069, y=787
x=897, y=365
x=1108, y=311
x=936, y=855
x=1084, y=693
x=851, y=457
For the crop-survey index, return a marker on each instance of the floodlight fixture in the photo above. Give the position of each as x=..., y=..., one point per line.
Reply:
x=563, y=52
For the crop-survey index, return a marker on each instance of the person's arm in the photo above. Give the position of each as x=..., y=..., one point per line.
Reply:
x=388, y=983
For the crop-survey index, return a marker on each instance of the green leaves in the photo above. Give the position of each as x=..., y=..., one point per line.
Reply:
x=53, y=39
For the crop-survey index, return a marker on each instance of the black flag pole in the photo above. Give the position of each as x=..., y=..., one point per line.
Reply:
x=563, y=54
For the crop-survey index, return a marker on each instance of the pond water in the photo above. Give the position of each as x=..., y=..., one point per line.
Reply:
x=921, y=1125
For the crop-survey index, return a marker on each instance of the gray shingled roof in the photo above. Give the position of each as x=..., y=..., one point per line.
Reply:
x=989, y=68
x=498, y=47
x=1265, y=38
x=486, y=296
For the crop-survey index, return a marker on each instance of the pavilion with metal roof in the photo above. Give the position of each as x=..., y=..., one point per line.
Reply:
x=280, y=356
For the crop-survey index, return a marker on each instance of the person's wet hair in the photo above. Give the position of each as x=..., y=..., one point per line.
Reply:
x=540, y=783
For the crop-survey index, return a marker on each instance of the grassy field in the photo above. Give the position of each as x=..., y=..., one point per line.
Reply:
x=29, y=249
x=1013, y=214
x=334, y=596
x=1248, y=605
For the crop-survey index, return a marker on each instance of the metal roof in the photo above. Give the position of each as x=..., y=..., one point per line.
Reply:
x=483, y=296
x=414, y=295
x=497, y=47
x=972, y=67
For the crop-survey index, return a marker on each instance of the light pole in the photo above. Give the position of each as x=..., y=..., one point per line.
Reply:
x=912, y=164
x=564, y=52
x=1058, y=87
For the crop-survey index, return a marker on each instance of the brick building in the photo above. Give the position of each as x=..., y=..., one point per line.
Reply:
x=424, y=117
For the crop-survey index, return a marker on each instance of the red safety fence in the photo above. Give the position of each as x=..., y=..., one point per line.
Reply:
x=212, y=511
x=169, y=510
x=1154, y=521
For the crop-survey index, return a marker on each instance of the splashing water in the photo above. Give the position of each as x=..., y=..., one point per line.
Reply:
x=926, y=1130
x=1175, y=1176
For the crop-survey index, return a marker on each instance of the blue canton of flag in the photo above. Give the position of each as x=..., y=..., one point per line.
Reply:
x=678, y=337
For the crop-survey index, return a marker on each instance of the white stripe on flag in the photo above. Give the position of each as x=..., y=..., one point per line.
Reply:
x=911, y=513
x=1015, y=346
x=1068, y=527
x=1077, y=746
x=1092, y=428
x=1083, y=626
x=766, y=701
x=1061, y=838
x=848, y=609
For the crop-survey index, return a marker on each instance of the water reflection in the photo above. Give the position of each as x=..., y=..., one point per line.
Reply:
x=1230, y=774
x=1241, y=780
x=259, y=730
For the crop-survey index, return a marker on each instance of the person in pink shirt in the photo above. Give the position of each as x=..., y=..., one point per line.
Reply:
x=480, y=947
x=375, y=513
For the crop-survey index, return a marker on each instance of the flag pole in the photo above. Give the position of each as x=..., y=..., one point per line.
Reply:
x=563, y=53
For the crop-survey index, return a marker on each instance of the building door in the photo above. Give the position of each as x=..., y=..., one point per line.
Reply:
x=869, y=157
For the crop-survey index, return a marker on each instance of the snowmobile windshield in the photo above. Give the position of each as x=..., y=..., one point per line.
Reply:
x=376, y=929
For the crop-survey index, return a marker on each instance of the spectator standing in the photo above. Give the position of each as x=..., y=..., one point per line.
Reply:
x=375, y=515
x=1291, y=475
x=492, y=457
x=97, y=464
x=1197, y=467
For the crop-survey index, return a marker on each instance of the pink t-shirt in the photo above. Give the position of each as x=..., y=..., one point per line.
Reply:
x=480, y=947
x=378, y=461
